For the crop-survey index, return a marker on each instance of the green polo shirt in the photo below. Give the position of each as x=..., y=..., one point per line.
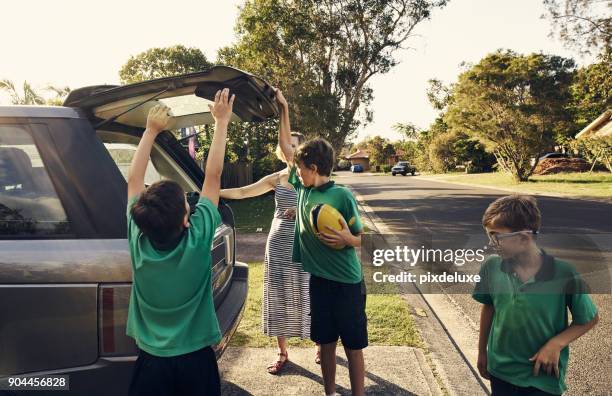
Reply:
x=171, y=304
x=316, y=257
x=529, y=314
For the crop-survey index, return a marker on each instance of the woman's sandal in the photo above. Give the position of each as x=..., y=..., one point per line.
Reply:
x=277, y=366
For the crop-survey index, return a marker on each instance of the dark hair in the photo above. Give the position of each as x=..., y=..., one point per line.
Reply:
x=317, y=152
x=160, y=210
x=516, y=212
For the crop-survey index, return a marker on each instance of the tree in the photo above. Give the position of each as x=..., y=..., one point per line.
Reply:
x=30, y=96
x=380, y=149
x=408, y=130
x=583, y=25
x=516, y=105
x=323, y=53
x=163, y=62
x=592, y=90
x=60, y=93
x=438, y=94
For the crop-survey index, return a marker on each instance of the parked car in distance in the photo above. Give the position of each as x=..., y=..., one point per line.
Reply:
x=356, y=168
x=554, y=155
x=403, y=168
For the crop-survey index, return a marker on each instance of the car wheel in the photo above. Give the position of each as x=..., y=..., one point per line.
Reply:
x=404, y=174
x=392, y=173
x=413, y=172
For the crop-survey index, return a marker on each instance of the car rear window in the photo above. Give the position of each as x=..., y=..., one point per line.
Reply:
x=29, y=205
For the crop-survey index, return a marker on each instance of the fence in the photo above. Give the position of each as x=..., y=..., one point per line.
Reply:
x=237, y=175
x=234, y=175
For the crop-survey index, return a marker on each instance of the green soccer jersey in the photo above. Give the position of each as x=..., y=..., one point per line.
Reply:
x=317, y=258
x=171, y=304
x=529, y=314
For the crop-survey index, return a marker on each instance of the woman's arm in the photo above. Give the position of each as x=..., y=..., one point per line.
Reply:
x=284, y=133
x=260, y=187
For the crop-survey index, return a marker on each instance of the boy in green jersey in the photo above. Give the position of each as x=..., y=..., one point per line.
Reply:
x=337, y=295
x=172, y=314
x=526, y=295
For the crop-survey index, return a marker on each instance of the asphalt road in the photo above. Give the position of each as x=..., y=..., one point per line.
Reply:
x=450, y=215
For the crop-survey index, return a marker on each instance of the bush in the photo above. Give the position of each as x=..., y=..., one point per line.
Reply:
x=386, y=168
x=266, y=165
x=343, y=165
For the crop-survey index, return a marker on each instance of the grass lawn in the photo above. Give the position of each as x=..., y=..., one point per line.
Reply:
x=389, y=320
x=596, y=184
x=253, y=213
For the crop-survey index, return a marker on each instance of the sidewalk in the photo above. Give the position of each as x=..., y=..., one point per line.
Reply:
x=437, y=369
x=250, y=247
x=389, y=371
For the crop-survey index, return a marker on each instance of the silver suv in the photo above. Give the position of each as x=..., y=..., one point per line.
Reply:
x=65, y=273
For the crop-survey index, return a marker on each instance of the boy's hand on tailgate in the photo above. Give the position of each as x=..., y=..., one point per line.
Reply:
x=158, y=118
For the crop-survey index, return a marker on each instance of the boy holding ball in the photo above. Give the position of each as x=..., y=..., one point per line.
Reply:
x=337, y=295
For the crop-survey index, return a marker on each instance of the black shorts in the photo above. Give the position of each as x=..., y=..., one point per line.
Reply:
x=194, y=373
x=337, y=310
x=500, y=387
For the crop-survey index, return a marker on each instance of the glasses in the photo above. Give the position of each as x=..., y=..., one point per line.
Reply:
x=496, y=238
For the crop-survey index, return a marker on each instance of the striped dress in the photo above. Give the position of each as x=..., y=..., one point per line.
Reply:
x=286, y=303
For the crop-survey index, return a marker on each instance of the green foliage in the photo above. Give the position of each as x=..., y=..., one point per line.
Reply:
x=343, y=165
x=592, y=91
x=163, y=62
x=30, y=96
x=322, y=53
x=583, y=25
x=441, y=154
x=594, y=149
x=247, y=142
x=408, y=130
x=515, y=104
x=380, y=150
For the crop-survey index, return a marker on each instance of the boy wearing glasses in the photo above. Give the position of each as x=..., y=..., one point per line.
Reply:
x=526, y=294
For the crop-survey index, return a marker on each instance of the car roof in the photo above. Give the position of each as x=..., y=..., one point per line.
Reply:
x=19, y=111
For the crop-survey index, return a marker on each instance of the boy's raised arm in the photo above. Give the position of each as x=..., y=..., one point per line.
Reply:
x=222, y=112
x=284, y=133
x=156, y=122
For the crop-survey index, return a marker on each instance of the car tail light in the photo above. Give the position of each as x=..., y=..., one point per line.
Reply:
x=114, y=300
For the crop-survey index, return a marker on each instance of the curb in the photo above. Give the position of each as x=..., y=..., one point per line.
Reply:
x=434, y=304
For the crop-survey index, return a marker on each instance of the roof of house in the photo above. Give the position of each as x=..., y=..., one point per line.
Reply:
x=600, y=127
x=358, y=154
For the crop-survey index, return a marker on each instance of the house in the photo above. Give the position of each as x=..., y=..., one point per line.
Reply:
x=400, y=155
x=359, y=157
x=600, y=127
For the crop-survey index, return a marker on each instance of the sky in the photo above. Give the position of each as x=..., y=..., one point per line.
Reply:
x=72, y=43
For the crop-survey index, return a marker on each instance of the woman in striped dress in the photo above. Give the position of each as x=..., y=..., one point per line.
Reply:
x=286, y=304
